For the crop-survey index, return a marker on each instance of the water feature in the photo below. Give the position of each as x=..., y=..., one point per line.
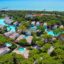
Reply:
x=33, y=28
x=26, y=37
x=8, y=44
x=9, y=27
x=50, y=33
x=21, y=49
x=2, y=22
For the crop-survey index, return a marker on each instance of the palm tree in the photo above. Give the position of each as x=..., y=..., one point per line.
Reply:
x=22, y=28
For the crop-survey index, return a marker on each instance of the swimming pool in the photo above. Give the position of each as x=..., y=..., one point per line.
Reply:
x=9, y=27
x=21, y=49
x=26, y=37
x=50, y=33
x=2, y=22
x=34, y=28
x=8, y=44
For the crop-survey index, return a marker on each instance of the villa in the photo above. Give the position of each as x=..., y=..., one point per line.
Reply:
x=22, y=51
x=29, y=39
x=8, y=20
x=14, y=35
x=4, y=50
x=19, y=38
x=7, y=34
x=37, y=23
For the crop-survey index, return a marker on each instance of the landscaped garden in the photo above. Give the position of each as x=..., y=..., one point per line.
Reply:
x=33, y=39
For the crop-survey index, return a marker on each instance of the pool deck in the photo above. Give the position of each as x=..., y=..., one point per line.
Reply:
x=25, y=54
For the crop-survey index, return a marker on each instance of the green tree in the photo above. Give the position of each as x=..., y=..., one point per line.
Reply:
x=22, y=42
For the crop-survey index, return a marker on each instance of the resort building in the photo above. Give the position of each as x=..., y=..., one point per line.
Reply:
x=22, y=51
x=8, y=20
x=14, y=35
x=4, y=50
x=19, y=38
x=29, y=39
x=8, y=33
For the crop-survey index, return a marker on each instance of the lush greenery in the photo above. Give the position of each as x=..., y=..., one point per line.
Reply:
x=41, y=39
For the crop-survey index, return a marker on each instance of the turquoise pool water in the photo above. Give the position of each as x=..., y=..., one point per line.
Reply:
x=22, y=50
x=9, y=27
x=8, y=44
x=51, y=33
x=26, y=37
x=34, y=28
x=2, y=22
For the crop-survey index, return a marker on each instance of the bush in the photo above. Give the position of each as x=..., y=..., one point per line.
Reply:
x=22, y=42
x=13, y=47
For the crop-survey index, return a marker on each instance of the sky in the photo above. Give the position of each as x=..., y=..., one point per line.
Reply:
x=49, y=5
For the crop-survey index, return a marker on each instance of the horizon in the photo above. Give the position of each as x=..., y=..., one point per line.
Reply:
x=35, y=5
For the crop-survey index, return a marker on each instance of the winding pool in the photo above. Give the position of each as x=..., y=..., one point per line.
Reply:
x=9, y=27
x=2, y=22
